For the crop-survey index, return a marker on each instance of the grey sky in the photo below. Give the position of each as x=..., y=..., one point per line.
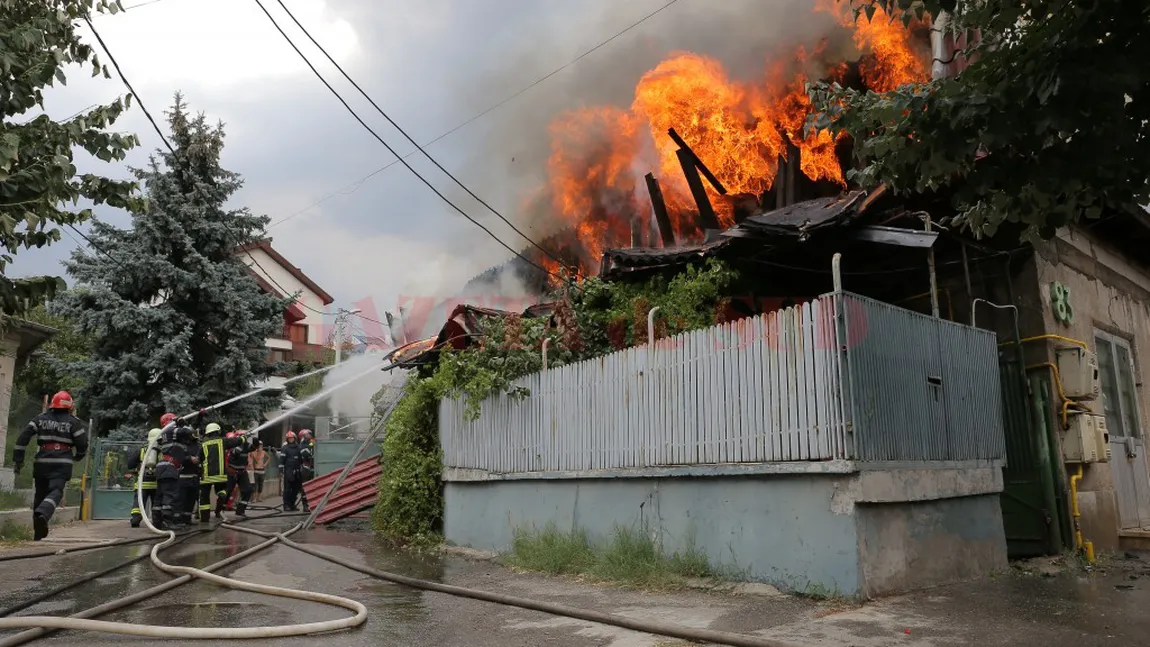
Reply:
x=432, y=64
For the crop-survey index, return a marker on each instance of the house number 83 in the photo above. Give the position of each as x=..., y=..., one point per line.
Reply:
x=1060, y=303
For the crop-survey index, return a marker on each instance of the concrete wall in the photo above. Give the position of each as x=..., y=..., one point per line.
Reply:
x=7, y=372
x=784, y=530
x=1111, y=293
x=855, y=534
x=916, y=544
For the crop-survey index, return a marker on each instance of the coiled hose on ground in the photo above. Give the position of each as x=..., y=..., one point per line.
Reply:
x=198, y=633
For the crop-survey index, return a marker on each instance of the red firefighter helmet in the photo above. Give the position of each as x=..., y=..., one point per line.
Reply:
x=231, y=434
x=62, y=400
x=166, y=418
x=290, y=436
x=305, y=435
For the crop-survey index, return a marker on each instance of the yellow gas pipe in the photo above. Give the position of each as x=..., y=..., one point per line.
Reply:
x=1087, y=547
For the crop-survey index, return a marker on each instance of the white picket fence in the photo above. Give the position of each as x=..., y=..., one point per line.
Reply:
x=760, y=389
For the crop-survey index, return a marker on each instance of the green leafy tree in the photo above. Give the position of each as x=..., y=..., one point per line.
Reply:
x=51, y=367
x=40, y=188
x=1046, y=126
x=178, y=322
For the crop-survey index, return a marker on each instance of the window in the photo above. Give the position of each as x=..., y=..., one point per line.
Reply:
x=298, y=333
x=278, y=355
x=1116, y=371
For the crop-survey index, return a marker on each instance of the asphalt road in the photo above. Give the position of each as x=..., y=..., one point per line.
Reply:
x=1071, y=609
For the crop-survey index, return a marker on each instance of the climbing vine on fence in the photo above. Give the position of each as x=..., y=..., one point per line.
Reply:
x=410, y=505
x=597, y=318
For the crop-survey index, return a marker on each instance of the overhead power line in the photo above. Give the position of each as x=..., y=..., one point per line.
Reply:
x=127, y=84
x=391, y=150
x=408, y=137
x=140, y=102
x=356, y=184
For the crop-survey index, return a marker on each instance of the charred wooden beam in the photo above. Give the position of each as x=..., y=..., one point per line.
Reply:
x=636, y=231
x=780, y=185
x=698, y=162
x=662, y=219
x=792, y=171
x=707, y=217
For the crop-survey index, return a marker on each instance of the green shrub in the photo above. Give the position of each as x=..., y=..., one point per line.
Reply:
x=410, y=505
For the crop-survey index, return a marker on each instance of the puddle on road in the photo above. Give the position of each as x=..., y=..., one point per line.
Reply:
x=211, y=614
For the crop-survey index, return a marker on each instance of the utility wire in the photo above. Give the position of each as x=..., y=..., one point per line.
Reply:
x=159, y=132
x=270, y=278
x=474, y=118
x=391, y=150
x=403, y=132
x=127, y=84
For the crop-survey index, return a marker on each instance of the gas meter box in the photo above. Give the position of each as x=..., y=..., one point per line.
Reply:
x=1080, y=442
x=1078, y=370
x=1101, y=436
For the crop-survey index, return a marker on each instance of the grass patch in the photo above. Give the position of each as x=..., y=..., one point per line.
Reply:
x=10, y=531
x=631, y=557
x=551, y=551
x=12, y=500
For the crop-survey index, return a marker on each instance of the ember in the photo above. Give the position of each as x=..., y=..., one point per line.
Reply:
x=740, y=130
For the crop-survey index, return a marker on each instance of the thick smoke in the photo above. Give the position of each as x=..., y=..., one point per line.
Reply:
x=508, y=164
x=354, y=400
x=742, y=34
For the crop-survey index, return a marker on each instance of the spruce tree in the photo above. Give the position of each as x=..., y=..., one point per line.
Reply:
x=177, y=320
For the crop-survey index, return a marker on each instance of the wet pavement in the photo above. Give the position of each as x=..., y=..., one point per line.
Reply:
x=1070, y=608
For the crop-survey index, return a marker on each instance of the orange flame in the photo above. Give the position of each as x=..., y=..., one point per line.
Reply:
x=739, y=130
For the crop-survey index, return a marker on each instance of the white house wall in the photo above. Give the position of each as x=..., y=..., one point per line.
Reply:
x=276, y=275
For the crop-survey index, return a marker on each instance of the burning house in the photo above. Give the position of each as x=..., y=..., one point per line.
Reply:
x=1050, y=456
x=697, y=150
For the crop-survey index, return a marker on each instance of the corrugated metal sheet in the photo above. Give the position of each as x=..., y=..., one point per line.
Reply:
x=760, y=389
x=842, y=376
x=923, y=388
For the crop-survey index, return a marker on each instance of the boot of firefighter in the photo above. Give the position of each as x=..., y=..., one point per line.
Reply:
x=241, y=508
x=137, y=519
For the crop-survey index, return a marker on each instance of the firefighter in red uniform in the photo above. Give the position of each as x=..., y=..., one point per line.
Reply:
x=62, y=441
x=238, y=470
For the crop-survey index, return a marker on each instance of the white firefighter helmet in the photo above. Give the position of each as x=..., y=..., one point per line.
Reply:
x=212, y=428
x=154, y=435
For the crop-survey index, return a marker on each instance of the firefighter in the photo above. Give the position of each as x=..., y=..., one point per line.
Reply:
x=189, y=475
x=62, y=441
x=291, y=470
x=214, y=474
x=172, y=456
x=307, y=464
x=238, y=471
x=146, y=495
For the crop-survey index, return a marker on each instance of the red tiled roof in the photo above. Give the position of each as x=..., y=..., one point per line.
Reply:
x=266, y=245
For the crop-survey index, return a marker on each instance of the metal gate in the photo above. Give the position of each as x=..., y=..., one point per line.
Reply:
x=1029, y=506
x=111, y=489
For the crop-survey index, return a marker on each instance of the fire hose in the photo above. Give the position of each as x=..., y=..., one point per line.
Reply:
x=83, y=622
x=187, y=573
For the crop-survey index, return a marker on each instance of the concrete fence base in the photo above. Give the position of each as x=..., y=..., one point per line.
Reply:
x=859, y=533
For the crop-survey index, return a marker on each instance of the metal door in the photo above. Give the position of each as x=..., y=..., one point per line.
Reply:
x=1026, y=516
x=1128, y=465
x=112, y=491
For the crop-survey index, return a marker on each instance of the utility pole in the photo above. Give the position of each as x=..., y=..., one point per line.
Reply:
x=337, y=341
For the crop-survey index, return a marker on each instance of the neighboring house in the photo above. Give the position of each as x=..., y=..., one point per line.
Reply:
x=302, y=338
x=1091, y=284
x=22, y=339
